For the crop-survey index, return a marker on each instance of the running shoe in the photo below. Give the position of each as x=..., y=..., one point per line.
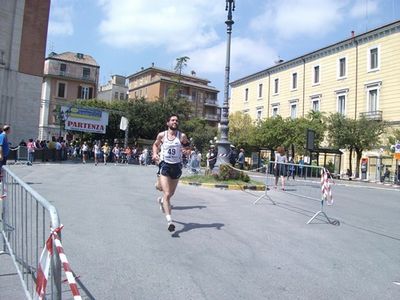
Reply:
x=160, y=202
x=171, y=227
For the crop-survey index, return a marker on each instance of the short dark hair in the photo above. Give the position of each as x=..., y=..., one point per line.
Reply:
x=172, y=115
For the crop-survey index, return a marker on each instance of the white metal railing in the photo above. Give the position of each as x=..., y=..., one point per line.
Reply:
x=25, y=224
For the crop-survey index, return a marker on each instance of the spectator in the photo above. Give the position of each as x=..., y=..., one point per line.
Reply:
x=212, y=157
x=348, y=173
x=233, y=155
x=280, y=166
x=240, y=159
x=385, y=175
x=31, y=151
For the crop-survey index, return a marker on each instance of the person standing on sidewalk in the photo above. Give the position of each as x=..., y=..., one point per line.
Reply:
x=31, y=151
x=280, y=166
x=170, y=143
x=4, y=148
x=241, y=159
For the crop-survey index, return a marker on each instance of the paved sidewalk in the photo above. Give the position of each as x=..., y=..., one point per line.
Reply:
x=225, y=247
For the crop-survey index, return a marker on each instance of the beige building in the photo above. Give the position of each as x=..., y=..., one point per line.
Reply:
x=115, y=89
x=67, y=76
x=153, y=83
x=357, y=76
x=23, y=34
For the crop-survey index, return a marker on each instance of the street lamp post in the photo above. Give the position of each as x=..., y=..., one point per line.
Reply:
x=61, y=119
x=223, y=143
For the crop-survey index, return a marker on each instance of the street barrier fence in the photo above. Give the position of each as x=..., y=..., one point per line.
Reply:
x=25, y=224
x=306, y=181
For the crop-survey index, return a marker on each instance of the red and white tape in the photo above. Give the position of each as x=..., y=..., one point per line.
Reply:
x=44, y=267
x=326, y=187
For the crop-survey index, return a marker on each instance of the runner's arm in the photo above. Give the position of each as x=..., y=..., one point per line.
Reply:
x=156, y=147
x=185, y=143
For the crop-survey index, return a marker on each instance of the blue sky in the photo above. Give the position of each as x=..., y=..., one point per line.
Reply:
x=125, y=35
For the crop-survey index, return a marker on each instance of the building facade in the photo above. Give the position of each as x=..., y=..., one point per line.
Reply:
x=359, y=76
x=23, y=34
x=67, y=76
x=115, y=89
x=154, y=83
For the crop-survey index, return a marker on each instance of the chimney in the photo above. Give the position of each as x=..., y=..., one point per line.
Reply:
x=352, y=33
x=152, y=65
x=193, y=73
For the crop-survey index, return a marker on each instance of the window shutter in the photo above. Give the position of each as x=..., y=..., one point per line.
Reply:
x=90, y=93
x=79, y=92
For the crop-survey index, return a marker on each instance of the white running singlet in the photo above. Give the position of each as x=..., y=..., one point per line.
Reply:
x=171, y=151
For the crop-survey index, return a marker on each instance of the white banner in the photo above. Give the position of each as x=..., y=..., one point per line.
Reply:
x=85, y=119
x=124, y=123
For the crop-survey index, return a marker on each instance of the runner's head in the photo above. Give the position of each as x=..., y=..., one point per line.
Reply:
x=173, y=122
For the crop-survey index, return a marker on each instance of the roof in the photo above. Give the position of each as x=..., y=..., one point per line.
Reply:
x=170, y=72
x=79, y=58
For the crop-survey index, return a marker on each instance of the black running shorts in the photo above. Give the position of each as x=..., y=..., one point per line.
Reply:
x=174, y=171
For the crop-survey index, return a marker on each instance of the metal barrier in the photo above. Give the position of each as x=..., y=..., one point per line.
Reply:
x=306, y=181
x=19, y=155
x=26, y=220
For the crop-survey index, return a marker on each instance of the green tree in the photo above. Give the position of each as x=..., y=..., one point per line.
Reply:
x=367, y=135
x=393, y=138
x=340, y=130
x=272, y=132
x=175, y=90
x=199, y=132
x=354, y=135
x=242, y=130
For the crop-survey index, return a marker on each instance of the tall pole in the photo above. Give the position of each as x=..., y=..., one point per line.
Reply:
x=223, y=143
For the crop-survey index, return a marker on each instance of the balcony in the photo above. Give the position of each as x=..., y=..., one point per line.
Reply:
x=211, y=117
x=375, y=115
x=210, y=102
x=188, y=97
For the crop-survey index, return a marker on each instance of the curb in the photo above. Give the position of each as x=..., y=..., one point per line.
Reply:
x=226, y=186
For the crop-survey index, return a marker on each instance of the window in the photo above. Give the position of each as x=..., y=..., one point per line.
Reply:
x=275, y=110
x=315, y=104
x=276, y=86
x=121, y=96
x=341, y=104
x=246, y=95
x=293, y=110
x=115, y=95
x=260, y=88
x=372, y=95
x=259, y=112
x=61, y=90
x=373, y=59
x=63, y=69
x=86, y=73
x=316, y=75
x=372, y=100
x=342, y=68
x=85, y=92
x=294, y=81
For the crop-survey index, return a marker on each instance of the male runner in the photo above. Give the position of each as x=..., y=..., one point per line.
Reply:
x=171, y=143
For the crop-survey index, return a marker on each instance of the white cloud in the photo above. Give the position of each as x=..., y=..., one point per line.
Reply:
x=174, y=25
x=60, y=22
x=247, y=56
x=289, y=18
x=362, y=8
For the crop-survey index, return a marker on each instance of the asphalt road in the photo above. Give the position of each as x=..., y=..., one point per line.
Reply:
x=225, y=247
